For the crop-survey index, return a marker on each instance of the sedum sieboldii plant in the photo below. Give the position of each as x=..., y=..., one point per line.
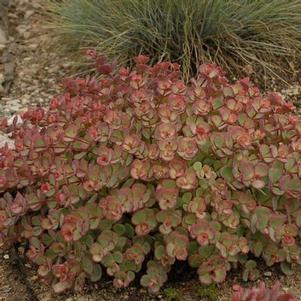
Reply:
x=136, y=170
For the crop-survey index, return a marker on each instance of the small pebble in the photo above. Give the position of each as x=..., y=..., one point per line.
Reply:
x=5, y=289
x=34, y=278
x=6, y=256
x=267, y=274
x=45, y=297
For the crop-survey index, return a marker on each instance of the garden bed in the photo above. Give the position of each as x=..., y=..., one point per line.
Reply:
x=33, y=80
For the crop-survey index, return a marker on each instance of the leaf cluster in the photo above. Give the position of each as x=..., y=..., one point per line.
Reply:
x=137, y=169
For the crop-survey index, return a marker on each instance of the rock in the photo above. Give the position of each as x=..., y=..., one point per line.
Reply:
x=21, y=29
x=45, y=296
x=4, y=3
x=10, y=143
x=34, y=278
x=3, y=38
x=5, y=289
x=14, y=105
x=267, y=274
x=6, y=256
x=1, y=78
x=15, y=298
x=11, y=120
x=28, y=13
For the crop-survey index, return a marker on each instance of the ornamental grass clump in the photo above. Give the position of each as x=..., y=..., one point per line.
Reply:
x=131, y=172
x=230, y=33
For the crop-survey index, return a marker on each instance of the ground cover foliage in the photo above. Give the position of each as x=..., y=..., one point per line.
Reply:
x=262, y=293
x=128, y=173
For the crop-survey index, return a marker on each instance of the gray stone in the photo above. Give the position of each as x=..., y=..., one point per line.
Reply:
x=3, y=140
x=3, y=38
x=11, y=120
x=267, y=274
x=45, y=297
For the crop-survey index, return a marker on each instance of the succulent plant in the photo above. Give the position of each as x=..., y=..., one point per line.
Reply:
x=262, y=293
x=136, y=168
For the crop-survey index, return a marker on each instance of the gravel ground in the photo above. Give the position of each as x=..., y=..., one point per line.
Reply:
x=30, y=72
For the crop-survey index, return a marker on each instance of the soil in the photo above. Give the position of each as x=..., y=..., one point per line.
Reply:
x=30, y=72
x=18, y=282
x=30, y=69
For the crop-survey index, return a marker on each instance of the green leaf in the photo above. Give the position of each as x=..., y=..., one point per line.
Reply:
x=219, y=140
x=217, y=103
x=242, y=117
x=195, y=260
x=169, y=184
x=87, y=240
x=205, y=278
x=36, y=221
x=71, y=132
x=159, y=251
x=97, y=273
x=286, y=268
x=193, y=247
x=261, y=218
x=186, y=198
x=47, y=239
x=39, y=143
x=190, y=219
x=119, y=229
x=251, y=264
x=226, y=173
x=293, y=184
x=219, y=275
x=128, y=265
x=129, y=230
x=139, y=217
x=258, y=248
x=144, y=281
x=121, y=242
x=108, y=260
x=87, y=265
x=275, y=172
x=118, y=257
x=105, y=224
x=206, y=251
x=217, y=120
x=290, y=164
x=298, y=218
x=247, y=170
x=50, y=254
